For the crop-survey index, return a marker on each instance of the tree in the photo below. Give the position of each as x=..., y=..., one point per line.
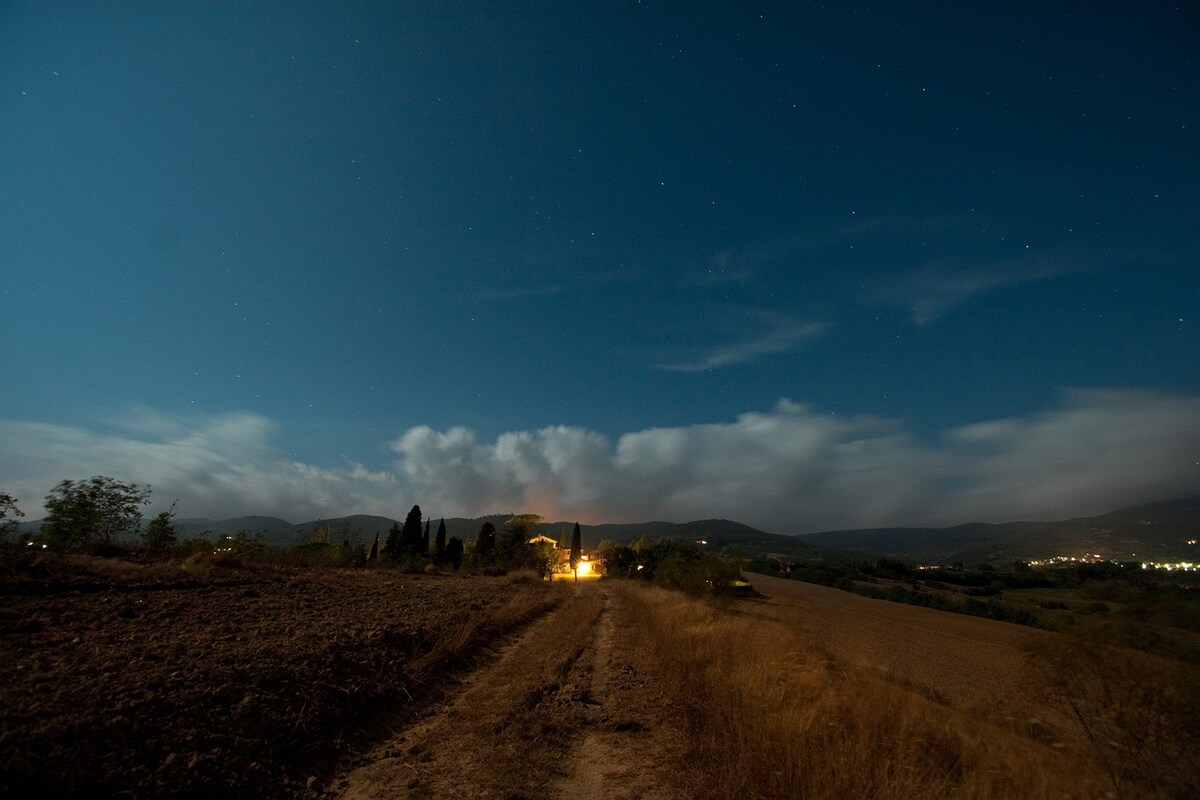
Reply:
x=410, y=534
x=393, y=542
x=454, y=551
x=10, y=515
x=160, y=533
x=485, y=543
x=545, y=558
x=99, y=508
x=576, y=550
x=520, y=529
x=439, y=544
x=374, y=548
x=425, y=539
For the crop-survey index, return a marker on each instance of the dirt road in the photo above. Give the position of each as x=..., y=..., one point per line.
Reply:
x=567, y=709
x=970, y=662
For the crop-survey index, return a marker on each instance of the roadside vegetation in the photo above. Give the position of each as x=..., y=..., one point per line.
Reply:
x=769, y=716
x=1124, y=673
x=676, y=564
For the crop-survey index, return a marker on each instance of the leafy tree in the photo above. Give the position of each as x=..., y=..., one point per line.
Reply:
x=545, y=558
x=606, y=550
x=425, y=539
x=519, y=529
x=160, y=533
x=439, y=544
x=10, y=515
x=485, y=543
x=454, y=552
x=576, y=550
x=99, y=508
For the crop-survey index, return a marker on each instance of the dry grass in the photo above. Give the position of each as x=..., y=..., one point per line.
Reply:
x=494, y=621
x=1138, y=713
x=770, y=717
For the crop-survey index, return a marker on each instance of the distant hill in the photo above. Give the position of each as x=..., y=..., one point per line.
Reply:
x=357, y=529
x=720, y=534
x=1147, y=532
x=272, y=528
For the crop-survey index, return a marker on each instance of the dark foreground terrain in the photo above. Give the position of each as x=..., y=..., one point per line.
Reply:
x=217, y=679
x=202, y=680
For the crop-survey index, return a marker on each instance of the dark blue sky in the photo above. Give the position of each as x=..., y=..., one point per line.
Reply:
x=610, y=261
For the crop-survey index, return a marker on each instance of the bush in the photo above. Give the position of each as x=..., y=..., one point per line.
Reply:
x=1140, y=715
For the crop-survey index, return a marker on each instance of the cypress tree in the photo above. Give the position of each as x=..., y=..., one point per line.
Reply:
x=393, y=542
x=425, y=539
x=439, y=544
x=410, y=534
x=576, y=550
x=374, y=548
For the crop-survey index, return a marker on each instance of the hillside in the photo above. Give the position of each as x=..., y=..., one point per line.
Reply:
x=273, y=529
x=1148, y=532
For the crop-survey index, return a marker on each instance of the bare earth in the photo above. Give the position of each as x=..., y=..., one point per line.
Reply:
x=130, y=680
x=570, y=708
x=148, y=681
x=567, y=710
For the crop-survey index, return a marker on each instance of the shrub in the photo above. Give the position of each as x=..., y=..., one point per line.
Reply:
x=1140, y=714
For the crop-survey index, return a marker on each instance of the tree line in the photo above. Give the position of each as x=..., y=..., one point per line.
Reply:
x=101, y=514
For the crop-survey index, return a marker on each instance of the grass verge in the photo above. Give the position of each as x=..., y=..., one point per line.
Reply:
x=768, y=717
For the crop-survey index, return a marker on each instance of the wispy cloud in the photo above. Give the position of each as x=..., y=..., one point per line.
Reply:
x=789, y=469
x=935, y=289
x=782, y=335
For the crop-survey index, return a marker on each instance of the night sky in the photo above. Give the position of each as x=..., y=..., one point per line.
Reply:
x=800, y=265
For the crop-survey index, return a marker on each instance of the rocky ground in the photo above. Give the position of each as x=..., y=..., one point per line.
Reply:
x=223, y=680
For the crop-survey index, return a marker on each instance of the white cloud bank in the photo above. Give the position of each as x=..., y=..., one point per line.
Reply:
x=787, y=470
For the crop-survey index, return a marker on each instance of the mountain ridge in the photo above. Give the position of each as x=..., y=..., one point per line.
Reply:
x=1158, y=531
x=1146, y=531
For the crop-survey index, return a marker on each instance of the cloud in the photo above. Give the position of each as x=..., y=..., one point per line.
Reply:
x=783, y=335
x=792, y=469
x=1104, y=448
x=789, y=469
x=935, y=289
x=222, y=466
